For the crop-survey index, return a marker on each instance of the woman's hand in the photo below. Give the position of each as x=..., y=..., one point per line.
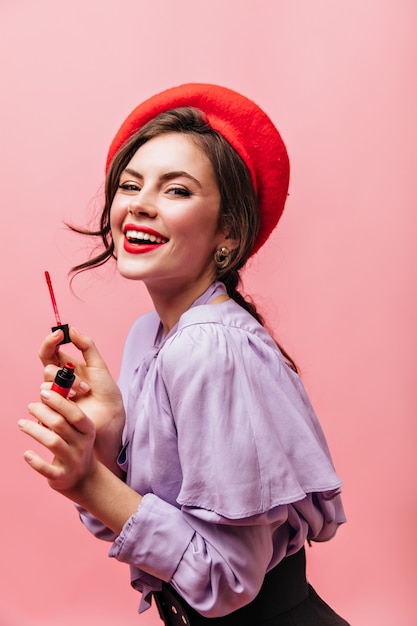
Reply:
x=94, y=391
x=69, y=435
x=75, y=472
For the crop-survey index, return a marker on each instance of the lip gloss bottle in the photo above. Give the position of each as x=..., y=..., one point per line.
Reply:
x=64, y=380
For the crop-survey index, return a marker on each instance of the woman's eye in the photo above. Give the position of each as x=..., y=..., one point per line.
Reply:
x=179, y=191
x=129, y=187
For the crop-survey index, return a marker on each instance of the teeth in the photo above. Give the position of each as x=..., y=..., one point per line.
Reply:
x=141, y=236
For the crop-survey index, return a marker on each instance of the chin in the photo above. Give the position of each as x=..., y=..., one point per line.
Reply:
x=129, y=270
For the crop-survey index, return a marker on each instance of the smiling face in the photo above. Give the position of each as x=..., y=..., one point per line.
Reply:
x=164, y=217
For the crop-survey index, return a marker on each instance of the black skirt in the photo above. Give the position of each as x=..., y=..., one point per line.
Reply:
x=285, y=599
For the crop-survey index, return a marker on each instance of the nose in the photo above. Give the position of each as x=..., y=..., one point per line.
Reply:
x=142, y=204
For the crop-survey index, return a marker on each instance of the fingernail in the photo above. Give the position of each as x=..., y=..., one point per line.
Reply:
x=84, y=386
x=45, y=394
x=28, y=456
x=21, y=423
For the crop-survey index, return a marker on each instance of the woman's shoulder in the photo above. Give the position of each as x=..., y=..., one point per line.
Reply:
x=229, y=388
x=226, y=318
x=216, y=337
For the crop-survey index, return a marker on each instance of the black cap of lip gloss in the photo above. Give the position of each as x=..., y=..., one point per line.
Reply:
x=65, y=330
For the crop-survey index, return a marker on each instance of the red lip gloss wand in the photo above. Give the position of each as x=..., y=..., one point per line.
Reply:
x=64, y=380
x=59, y=326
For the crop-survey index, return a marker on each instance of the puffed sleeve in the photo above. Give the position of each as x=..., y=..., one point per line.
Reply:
x=248, y=437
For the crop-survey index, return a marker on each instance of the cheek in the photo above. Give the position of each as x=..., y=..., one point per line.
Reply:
x=201, y=224
x=117, y=213
x=195, y=236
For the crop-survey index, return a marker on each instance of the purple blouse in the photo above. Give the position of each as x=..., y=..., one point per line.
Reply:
x=223, y=444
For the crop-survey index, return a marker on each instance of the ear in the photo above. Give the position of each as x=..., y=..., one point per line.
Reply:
x=231, y=243
x=227, y=240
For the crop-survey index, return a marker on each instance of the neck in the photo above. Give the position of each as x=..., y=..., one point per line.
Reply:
x=171, y=303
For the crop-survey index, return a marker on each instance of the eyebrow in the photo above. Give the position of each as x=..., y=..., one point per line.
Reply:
x=165, y=177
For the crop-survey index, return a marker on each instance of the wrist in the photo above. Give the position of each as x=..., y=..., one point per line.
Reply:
x=106, y=497
x=108, y=444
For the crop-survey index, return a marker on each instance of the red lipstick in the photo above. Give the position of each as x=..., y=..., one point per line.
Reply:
x=138, y=245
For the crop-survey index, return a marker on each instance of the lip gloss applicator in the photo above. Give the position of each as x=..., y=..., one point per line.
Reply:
x=59, y=326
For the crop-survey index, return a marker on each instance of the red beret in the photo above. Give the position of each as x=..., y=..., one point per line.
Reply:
x=243, y=124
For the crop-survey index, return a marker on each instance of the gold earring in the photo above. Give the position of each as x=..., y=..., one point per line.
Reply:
x=222, y=257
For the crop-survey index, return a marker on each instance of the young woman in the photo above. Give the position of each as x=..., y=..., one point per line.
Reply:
x=206, y=465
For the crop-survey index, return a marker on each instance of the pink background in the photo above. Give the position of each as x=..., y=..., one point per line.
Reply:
x=337, y=280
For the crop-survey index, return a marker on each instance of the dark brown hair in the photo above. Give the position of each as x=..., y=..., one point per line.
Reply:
x=239, y=210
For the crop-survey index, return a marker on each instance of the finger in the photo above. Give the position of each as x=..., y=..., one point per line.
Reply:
x=49, y=373
x=46, y=417
x=36, y=462
x=88, y=348
x=57, y=413
x=79, y=387
x=49, y=352
x=46, y=437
